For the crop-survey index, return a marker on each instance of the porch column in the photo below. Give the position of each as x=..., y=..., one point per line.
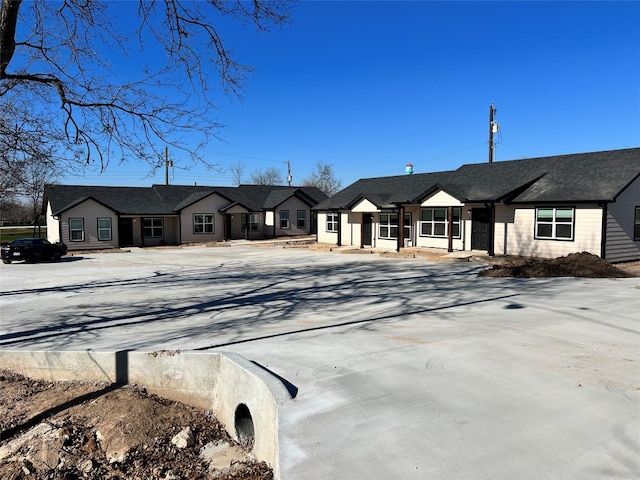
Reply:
x=492, y=226
x=400, y=228
x=450, y=229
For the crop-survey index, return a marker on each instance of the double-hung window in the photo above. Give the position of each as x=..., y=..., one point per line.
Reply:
x=153, y=227
x=203, y=223
x=284, y=219
x=434, y=222
x=636, y=225
x=302, y=218
x=388, y=225
x=76, y=229
x=250, y=221
x=554, y=223
x=104, y=229
x=332, y=222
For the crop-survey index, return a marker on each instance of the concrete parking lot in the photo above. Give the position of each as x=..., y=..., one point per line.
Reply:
x=401, y=368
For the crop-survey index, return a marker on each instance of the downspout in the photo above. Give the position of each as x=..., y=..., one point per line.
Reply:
x=603, y=235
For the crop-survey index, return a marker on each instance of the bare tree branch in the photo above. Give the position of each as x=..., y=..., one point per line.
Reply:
x=67, y=66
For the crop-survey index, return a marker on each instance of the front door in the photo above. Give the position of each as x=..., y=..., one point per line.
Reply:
x=480, y=222
x=367, y=229
x=125, y=232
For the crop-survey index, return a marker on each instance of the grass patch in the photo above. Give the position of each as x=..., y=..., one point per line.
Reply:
x=10, y=234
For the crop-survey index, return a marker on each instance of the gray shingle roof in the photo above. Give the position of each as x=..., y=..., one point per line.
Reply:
x=170, y=199
x=583, y=177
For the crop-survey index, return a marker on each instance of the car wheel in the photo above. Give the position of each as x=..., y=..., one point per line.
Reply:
x=6, y=260
x=55, y=257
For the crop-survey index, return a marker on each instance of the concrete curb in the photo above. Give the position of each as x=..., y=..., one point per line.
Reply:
x=244, y=396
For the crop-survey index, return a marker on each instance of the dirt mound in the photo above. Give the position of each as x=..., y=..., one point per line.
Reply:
x=573, y=265
x=79, y=430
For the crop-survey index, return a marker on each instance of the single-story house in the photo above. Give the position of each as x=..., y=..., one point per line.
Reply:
x=540, y=207
x=87, y=217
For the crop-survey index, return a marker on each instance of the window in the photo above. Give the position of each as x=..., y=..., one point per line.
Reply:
x=302, y=218
x=407, y=226
x=153, y=227
x=434, y=222
x=76, y=229
x=284, y=218
x=203, y=223
x=388, y=225
x=253, y=220
x=332, y=222
x=104, y=229
x=636, y=225
x=554, y=223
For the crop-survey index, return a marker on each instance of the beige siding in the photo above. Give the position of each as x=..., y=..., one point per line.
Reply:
x=209, y=205
x=89, y=211
x=620, y=244
x=521, y=241
x=441, y=199
x=354, y=222
x=323, y=235
x=504, y=220
x=364, y=206
x=293, y=205
x=438, y=200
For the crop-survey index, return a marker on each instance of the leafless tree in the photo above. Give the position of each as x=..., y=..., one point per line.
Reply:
x=237, y=169
x=69, y=78
x=323, y=178
x=268, y=176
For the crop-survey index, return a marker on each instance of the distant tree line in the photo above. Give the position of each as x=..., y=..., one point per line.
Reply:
x=322, y=177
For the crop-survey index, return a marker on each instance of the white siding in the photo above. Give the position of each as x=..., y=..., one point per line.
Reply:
x=521, y=241
x=620, y=244
x=323, y=235
x=53, y=226
x=89, y=211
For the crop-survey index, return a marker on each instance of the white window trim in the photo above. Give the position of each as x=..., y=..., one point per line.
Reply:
x=332, y=222
x=433, y=223
x=153, y=227
x=554, y=224
x=203, y=223
x=285, y=223
x=71, y=230
x=100, y=229
x=387, y=225
x=303, y=218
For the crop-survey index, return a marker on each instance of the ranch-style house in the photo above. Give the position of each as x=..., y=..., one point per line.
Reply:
x=540, y=207
x=96, y=217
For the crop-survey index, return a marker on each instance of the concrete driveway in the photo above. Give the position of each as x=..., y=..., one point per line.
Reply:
x=401, y=368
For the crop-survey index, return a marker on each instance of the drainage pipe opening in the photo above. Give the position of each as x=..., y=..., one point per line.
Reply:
x=244, y=426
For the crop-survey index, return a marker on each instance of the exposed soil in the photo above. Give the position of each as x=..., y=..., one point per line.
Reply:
x=78, y=430
x=573, y=265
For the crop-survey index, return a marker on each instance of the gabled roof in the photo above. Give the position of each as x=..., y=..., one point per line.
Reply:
x=171, y=199
x=582, y=177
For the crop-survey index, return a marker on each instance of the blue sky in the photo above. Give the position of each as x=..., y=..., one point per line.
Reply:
x=370, y=86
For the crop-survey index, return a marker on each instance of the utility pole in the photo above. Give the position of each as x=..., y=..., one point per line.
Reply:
x=289, y=177
x=167, y=163
x=493, y=128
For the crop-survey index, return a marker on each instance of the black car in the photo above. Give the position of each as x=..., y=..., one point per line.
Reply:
x=32, y=250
